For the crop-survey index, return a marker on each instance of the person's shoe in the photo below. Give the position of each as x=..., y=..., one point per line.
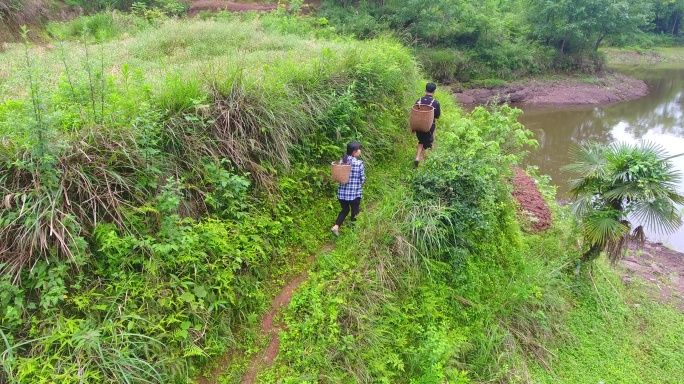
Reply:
x=335, y=232
x=415, y=163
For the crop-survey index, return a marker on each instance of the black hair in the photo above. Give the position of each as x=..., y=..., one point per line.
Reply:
x=430, y=87
x=352, y=147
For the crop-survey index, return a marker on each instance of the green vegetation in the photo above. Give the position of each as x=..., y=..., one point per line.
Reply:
x=618, y=181
x=465, y=40
x=161, y=179
x=159, y=184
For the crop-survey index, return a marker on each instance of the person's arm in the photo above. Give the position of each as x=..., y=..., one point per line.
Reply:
x=363, y=173
x=438, y=112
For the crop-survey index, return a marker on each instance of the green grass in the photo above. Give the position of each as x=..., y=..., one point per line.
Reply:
x=214, y=136
x=661, y=56
x=617, y=334
x=186, y=165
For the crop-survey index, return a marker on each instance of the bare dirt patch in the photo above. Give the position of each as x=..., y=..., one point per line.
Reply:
x=661, y=268
x=602, y=89
x=197, y=6
x=534, y=209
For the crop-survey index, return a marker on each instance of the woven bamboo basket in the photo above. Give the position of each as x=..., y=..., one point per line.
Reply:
x=340, y=172
x=421, y=117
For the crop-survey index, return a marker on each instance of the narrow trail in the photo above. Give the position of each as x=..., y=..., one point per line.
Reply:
x=270, y=329
x=282, y=300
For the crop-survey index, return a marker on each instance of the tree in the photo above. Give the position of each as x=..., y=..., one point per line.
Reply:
x=585, y=23
x=617, y=18
x=668, y=16
x=619, y=183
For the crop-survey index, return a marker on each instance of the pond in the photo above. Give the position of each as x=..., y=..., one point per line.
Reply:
x=657, y=117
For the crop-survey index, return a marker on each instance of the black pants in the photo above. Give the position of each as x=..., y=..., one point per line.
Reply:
x=355, y=206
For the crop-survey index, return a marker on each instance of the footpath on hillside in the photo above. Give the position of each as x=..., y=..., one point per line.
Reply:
x=659, y=268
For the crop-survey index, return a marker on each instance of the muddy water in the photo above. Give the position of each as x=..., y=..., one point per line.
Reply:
x=657, y=117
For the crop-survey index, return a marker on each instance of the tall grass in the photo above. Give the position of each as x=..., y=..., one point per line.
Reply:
x=153, y=169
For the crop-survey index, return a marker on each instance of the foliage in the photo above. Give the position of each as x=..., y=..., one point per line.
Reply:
x=466, y=39
x=621, y=321
x=668, y=16
x=188, y=164
x=100, y=26
x=620, y=184
x=574, y=26
x=169, y=6
x=403, y=298
x=154, y=200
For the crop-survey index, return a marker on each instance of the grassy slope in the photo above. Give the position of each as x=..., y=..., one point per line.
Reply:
x=644, y=56
x=375, y=309
x=363, y=313
x=181, y=67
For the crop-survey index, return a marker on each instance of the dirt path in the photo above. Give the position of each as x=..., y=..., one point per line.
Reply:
x=270, y=329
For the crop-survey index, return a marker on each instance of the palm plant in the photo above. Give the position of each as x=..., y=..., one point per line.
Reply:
x=622, y=182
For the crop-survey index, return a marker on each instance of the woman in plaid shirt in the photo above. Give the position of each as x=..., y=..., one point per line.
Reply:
x=349, y=195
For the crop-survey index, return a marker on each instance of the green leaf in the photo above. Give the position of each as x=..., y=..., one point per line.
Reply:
x=187, y=297
x=200, y=291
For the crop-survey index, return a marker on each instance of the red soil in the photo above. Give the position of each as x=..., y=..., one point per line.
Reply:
x=660, y=268
x=269, y=328
x=531, y=201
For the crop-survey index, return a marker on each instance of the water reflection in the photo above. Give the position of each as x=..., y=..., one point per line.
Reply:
x=657, y=117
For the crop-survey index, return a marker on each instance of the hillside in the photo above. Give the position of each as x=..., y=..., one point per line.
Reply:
x=164, y=180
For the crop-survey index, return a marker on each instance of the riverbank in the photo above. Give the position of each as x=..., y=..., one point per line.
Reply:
x=659, y=55
x=655, y=267
x=603, y=88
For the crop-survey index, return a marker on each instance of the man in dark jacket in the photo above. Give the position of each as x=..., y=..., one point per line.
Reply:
x=425, y=139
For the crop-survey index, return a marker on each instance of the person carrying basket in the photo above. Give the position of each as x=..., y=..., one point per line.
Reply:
x=425, y=139
x=349, y=193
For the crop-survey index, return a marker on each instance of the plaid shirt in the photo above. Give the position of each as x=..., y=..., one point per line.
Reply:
x=352, y=189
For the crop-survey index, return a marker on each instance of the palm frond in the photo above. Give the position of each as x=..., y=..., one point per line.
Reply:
x=638, y=235
x=659, y=214
x=615, y=249
x=603, y=229
x=582, y=205
x=651, y=148
x=585, y=185
x=588, y=160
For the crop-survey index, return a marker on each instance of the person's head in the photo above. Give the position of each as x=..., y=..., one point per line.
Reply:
x=430, y=88
x=353, y=149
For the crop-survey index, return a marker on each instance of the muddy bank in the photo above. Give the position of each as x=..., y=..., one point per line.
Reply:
x=660, y=268
x=602, y=89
